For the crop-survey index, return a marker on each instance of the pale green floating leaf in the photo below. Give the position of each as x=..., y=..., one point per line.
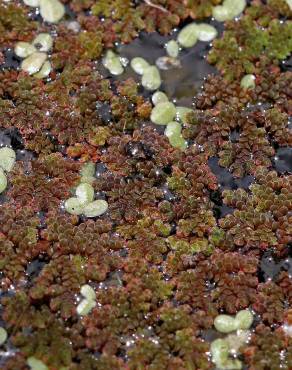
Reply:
x=237, y=339
x=177, y=141
x=95, y=208
x=229, y=10
x=85, y=306
x=163, y=113
x=3, y=336
x=115, y=67
x=3, y=181
x=229, y=364
x=151, y=79
x=108, y=56
x=220, y=356
x=7, y=158
x=112, y=62
x=188, y=36
x=289, y=2
x=74, y=206
x=87, y=179
x=88, y=292
x=244, y=319
x=248, y=82
x=173, y=128
x=43, y=42
x=52, y=11
x=44, y=71
x=33, y=63
x=172, y=48
x=221, y=13
x=36, y=364
x=159, y=97
x=219, y=350
x=24, y=49
x=225, y=323
x=139, y=65
x=206, y=32
x=88, y=169
x=32, y=3
x=181, y=113
x=235, y=7
x=85, y=193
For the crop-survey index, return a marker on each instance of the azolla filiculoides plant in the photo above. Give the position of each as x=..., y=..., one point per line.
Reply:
x=145, y=179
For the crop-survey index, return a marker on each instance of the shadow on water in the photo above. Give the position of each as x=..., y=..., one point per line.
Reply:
x=225, y=178
x=225, y=181
x=270, y=266
x=282, y=161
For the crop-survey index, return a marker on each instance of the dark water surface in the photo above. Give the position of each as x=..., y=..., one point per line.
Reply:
x=181, y=83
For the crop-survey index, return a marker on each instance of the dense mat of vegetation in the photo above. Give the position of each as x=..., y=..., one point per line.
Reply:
x=186, y=233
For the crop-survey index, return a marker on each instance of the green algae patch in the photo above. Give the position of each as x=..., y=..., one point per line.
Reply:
x=163, y=113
